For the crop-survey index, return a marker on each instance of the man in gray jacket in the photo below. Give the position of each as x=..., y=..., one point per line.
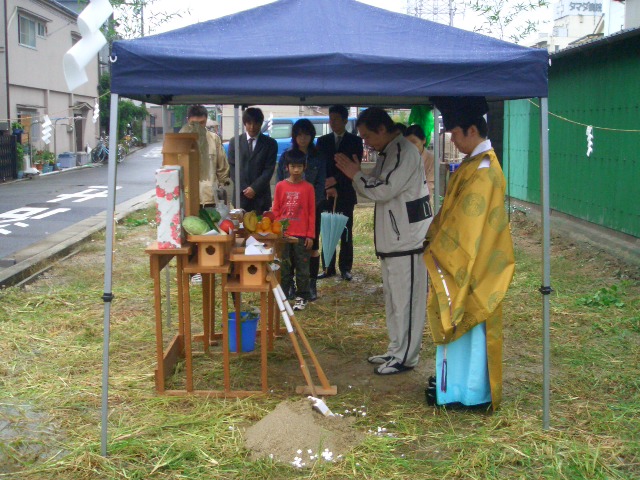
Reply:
x=402, y=217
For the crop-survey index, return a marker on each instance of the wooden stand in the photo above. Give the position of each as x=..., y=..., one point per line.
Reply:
x=252, y=281
x=167, y=359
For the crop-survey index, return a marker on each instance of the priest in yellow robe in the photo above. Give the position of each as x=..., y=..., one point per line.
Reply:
x=470, y=260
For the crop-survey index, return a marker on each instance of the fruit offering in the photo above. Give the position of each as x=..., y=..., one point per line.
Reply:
x=250, y=222
x=264, y=224
x=226, y=226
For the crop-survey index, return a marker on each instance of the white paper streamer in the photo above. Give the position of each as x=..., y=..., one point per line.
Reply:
x=589, y=140
x=79, y=56
x=96, y=111
x=46, y=130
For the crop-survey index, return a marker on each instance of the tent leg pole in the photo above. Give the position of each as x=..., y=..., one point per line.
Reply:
x=545, y=289
x=437, y=154
x=107, y=296
x=236, y=139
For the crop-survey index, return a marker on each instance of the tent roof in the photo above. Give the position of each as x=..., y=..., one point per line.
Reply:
x=320, y=52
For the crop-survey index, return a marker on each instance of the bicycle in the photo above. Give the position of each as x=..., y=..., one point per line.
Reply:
x=100, y=154
x=130, y=141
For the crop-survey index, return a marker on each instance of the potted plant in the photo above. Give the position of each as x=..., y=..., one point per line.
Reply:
x=20, y=159
x=38, y=159
x=17, y=128
x=48, y=159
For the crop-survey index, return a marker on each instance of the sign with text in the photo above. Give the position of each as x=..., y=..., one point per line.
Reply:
x=577, y=7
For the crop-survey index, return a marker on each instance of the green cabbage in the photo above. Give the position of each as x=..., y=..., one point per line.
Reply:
x=195, y=225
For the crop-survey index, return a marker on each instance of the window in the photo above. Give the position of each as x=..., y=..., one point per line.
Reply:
x=281, y=130
x=321, y=128
x=27, y=32
x=28, y=29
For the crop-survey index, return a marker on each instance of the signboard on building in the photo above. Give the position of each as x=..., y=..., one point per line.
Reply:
x=565, y=8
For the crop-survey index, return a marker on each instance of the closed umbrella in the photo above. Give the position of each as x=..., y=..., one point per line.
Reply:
x=331, y=227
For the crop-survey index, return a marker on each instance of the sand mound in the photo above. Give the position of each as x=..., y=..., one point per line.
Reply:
x=294, y=433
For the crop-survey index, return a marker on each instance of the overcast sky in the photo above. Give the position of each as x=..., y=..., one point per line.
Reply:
x=203, y=10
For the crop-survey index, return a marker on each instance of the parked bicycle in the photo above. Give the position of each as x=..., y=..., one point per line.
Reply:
x=100, y=154
x=130, y=141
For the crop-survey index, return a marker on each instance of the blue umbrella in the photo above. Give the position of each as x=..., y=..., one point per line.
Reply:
x=331, y=228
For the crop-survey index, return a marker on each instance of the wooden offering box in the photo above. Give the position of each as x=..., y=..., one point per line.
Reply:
x=182, y=149
x=253, y=268
x=213, y=250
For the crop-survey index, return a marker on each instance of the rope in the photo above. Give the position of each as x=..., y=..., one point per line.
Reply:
x=52, y=114
x=586, y=124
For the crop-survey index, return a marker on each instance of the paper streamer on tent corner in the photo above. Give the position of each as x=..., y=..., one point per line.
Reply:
x=79, y=56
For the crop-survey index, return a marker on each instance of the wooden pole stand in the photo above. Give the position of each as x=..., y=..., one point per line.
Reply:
x=293, y=328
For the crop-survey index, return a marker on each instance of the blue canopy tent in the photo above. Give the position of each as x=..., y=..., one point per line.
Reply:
x=322, y=52
x=319, y=52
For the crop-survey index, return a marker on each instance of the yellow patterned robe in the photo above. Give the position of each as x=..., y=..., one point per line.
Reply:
x=470, y=260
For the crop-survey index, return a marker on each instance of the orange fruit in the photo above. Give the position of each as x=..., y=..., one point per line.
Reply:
x=276, y=227
x=266, y=223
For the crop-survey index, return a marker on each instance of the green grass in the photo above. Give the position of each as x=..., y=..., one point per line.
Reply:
x=51, y=350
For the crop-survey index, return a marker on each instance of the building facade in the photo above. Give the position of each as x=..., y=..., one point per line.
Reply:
x=577, y=21
x=35, y=35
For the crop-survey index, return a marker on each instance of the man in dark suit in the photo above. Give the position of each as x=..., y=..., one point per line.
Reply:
x=257, y=162
x=339, y=186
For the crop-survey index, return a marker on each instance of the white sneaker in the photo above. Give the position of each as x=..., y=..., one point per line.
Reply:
x=196, y=279
x=300, y=304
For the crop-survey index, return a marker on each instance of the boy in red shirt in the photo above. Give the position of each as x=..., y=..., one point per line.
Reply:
x=294, y=199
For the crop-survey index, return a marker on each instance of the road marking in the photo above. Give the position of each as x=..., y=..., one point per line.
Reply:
x=83, y=196
x=18, y=216
x=154, y=153
x=50, y=212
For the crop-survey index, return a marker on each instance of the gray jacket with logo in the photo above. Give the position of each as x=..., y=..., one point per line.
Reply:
x=399, y=188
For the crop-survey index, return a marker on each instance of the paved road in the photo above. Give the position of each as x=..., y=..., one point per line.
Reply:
x=32, y=211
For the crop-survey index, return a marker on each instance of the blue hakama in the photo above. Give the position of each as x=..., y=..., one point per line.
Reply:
x=466, y=374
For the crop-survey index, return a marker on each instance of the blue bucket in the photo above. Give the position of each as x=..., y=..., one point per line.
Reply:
x=248, y=328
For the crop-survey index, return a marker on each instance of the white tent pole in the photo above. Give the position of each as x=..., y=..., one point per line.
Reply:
x=545, y=289
x=436, y=158
x=107, y=296
x=236, y=139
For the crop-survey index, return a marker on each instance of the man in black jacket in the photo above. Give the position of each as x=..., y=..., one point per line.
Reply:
x=258, y=155
x=338, y=186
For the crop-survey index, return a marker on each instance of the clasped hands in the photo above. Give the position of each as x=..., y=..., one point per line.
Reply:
x=349, y=166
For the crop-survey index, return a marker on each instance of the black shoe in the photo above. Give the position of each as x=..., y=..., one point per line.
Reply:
x=326, y=274
x=347, y=276
x=430, y=391
x=430, y=396
x=391, y=367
